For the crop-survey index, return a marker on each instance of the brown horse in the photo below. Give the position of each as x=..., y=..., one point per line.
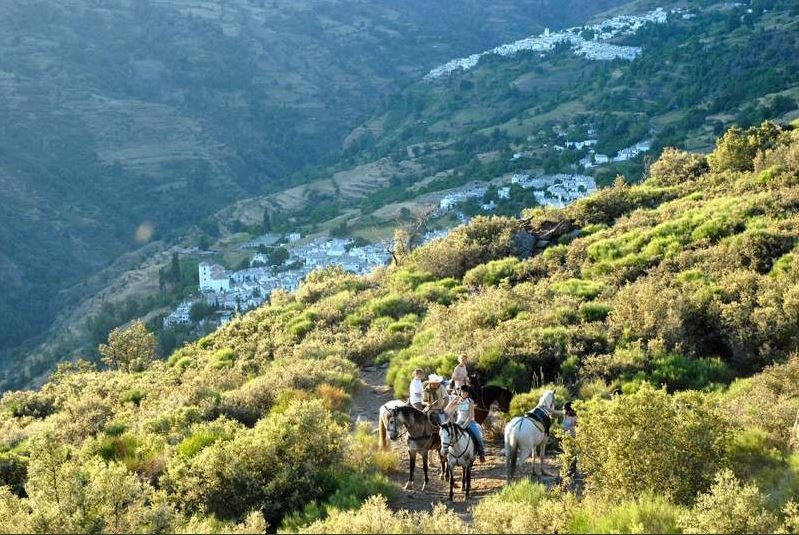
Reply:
x=422, y=437
x=485, y=396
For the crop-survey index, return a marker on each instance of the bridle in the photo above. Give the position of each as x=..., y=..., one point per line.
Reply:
x=392, y=428
x=445, y=446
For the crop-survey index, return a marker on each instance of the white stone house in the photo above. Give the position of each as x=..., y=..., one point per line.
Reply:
x=213, y=278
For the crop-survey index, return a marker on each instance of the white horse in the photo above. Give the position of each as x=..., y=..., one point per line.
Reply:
x=382, y=420
x=524, y=438
x=460, y=450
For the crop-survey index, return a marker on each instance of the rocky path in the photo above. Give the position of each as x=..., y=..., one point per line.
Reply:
x=487, y=477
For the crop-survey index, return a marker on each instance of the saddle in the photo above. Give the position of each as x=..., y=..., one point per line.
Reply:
x=542, y=417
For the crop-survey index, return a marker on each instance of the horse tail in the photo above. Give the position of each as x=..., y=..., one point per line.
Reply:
x=511, y=450
x=381, y=429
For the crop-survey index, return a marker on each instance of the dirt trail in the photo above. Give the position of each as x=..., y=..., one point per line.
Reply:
x=487, y=477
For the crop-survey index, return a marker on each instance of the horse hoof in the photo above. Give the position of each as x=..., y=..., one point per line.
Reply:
x=424, y=485
x=408, y=485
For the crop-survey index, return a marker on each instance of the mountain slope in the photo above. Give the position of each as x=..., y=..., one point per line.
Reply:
x=124, y=120
x=685, y=281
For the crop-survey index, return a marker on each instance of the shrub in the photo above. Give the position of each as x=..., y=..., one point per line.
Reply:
x=250, y=402
x=647, y=514
x=130, y=349
x=334, y=397
x=584, y=289
x=27, y=403
x=737, y=148
x=522, y=507
x=590, y=312
x=223, y=358
x=651, y=441
x=278, y=466
x=679, y=372
x=492, y=273
x=134, y=396
x=392, y=305
x=729, y=507
x=375, y=517
x=675, y=167
x=13, y=472
x=482, y=240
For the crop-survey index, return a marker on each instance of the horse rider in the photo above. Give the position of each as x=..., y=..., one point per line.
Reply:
x=435, y=393
x=460, y=376
x=463, y=406
x=416, y=389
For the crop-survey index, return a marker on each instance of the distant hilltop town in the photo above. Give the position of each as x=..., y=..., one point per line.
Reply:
x=586, y=41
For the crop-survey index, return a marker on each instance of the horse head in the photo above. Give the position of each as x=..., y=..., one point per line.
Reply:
x=547, y=400
x=391, y=424
x=504, y=398
x=448, y=436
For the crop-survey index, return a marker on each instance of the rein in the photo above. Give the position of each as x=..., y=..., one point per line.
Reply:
x=448, y=445
x=406, y=431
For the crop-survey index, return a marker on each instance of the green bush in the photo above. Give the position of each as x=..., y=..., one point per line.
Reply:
x=522, y=507
x=679, y=372
x=223, y=358
x=278, y=466
x=729, y=507
x=392, y=305
x=523, y=402
x=584, y=289
x=649, y=441
x=590, y=312
x=134, y=396
x=649, y=513
x=492, y=273
x=13, y=472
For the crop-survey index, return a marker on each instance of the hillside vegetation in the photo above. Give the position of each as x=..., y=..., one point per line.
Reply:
x=246, y=119
x=681, y=291
x=124, y=121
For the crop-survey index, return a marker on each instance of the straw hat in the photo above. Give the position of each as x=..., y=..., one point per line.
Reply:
x=434, y=378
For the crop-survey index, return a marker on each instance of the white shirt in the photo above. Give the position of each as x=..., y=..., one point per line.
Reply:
x=416, y=391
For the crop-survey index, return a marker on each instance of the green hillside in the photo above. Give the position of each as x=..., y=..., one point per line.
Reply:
x=241, y=138
x=126, y=120
x=686, y=281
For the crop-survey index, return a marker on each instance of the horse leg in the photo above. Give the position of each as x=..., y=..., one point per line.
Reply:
x=543, y=454
x=510, y=461
x=443, y=470
x=424, y=469
x=468, y=479
x=538, y=451
x=412, y=459
x=381, y=429
x=451, y=475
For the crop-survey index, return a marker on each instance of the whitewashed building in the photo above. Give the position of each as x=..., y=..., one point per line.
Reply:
x=213, y=278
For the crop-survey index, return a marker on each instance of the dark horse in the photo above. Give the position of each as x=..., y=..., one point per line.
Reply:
x=421, y=438
x=485, y=396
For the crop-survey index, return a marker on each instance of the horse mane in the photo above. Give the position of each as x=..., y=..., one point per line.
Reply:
x=407, y=410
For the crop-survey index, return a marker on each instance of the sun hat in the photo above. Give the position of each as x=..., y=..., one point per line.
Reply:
x=434, y=378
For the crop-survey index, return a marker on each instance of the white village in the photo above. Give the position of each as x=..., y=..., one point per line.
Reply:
x=233, y=292
x=586, y=41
